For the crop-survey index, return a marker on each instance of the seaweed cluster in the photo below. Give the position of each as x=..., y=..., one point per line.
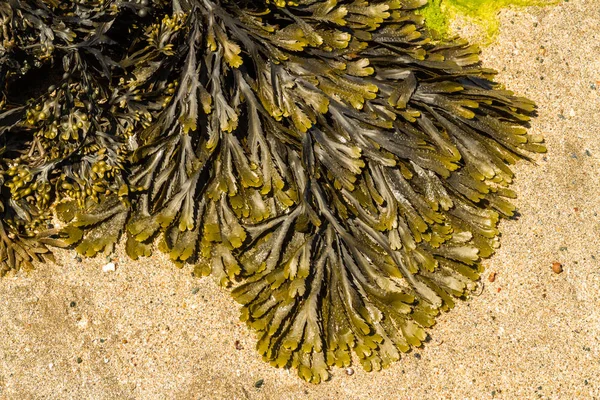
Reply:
x=341, y=170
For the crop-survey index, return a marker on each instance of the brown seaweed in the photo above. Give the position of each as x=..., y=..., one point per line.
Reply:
x=338, y=167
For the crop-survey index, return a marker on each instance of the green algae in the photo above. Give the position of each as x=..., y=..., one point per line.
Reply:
x=439, y=13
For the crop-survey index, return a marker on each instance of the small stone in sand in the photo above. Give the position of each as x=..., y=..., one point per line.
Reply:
x=110, y=267
x=349, y=371
x=492, y=277
x=258, y=384
x=557, y=267
x=238, y=345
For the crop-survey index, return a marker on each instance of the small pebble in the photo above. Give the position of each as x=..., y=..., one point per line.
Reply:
x=72, y=304
x=238, y=345
x=259, y=383
x=110, y=267
x=195, y=290
x=492, y=277
x=417, y=356
x=349, y=371
x=82, y=322
x=79, y=360
x=557, y=267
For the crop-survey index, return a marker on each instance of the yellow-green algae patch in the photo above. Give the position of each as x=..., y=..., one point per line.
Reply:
x=439, y=13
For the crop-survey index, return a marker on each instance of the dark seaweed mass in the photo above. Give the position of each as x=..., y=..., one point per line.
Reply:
x=342, y=171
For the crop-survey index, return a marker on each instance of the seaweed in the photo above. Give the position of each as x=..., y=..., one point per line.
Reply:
x=337, y=168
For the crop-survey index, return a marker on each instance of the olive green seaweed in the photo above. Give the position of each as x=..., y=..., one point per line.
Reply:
x=339, y=170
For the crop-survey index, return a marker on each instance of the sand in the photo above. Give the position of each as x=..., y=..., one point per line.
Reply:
x=151, y=331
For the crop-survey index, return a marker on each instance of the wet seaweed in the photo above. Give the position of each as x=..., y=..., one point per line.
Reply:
x=339, y=169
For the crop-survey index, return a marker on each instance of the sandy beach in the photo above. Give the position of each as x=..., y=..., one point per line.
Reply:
x=149, y=330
